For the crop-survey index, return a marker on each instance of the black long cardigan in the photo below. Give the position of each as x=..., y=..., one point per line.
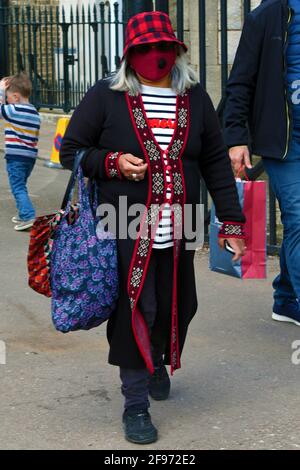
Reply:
x=109, y=121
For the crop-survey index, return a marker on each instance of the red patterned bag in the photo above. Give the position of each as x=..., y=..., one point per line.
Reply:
x=38, y=260
x=40, y=245
x=41, y=240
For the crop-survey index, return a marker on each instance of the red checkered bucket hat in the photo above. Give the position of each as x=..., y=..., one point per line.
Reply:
x=149, y=27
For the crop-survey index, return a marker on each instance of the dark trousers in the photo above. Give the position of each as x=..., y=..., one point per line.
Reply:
x=155, y=304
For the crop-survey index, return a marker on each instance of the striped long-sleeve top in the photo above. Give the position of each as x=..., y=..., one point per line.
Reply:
x=160, y=107
x=21, y=130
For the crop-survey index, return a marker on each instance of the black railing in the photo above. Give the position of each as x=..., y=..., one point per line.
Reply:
x=65, y=50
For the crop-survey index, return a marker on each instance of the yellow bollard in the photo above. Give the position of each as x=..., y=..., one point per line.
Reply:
x=61, y=127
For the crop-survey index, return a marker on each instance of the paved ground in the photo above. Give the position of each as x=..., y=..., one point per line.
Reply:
x=237, y=389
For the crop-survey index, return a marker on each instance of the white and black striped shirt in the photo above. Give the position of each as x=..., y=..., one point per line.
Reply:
x=160, y=107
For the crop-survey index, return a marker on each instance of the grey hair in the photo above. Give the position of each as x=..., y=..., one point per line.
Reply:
x=183, y=76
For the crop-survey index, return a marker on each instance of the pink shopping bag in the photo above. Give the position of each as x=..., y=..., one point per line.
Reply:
x=253, y=200
x=254, y=262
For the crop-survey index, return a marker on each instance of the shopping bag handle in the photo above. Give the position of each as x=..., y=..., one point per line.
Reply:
x=78, y=157
x=228, y=247
x=242, y=172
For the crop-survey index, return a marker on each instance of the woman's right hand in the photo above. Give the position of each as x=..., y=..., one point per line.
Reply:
x=130, y=165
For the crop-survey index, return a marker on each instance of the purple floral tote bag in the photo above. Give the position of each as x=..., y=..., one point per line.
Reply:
x=84, y=271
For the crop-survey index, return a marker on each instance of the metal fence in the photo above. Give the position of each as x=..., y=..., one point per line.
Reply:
x=66, y=51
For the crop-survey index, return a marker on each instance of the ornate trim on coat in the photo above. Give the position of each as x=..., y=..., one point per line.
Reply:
x=112, y=165
x=156, y=200
x=232, y=230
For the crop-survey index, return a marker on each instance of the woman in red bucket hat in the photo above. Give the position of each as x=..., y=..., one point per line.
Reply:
x=152, y=131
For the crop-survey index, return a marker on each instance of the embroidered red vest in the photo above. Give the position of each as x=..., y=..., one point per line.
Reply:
x=156, y=173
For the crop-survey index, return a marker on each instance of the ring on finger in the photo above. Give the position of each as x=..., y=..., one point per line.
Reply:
x=134, y=177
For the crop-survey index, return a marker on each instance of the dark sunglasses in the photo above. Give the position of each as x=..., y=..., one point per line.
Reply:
x=163, y=46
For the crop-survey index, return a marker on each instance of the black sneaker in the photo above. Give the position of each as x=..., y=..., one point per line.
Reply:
x=138, y=427
x=159, y=384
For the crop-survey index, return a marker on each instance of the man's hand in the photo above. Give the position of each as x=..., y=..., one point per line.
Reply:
x=237, y=244
x=240, y=158
x=130, y=165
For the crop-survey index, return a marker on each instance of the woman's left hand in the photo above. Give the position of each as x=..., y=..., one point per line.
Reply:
x=237, y=244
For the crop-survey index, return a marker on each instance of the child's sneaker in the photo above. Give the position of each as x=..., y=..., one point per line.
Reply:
x=24, y=225
x=16, y=220
x=288, y=312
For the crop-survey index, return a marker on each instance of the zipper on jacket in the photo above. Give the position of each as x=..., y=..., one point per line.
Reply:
x=286, y=91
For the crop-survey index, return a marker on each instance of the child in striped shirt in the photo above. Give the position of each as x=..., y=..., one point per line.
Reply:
x=21, y=139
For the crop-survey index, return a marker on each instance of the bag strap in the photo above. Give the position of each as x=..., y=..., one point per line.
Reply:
x=93, y=194
x=242, y=172
x=78, y=157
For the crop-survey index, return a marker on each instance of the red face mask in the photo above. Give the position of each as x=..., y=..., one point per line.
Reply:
x=154, y=64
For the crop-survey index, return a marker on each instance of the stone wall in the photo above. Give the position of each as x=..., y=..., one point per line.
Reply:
x=34, y=2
